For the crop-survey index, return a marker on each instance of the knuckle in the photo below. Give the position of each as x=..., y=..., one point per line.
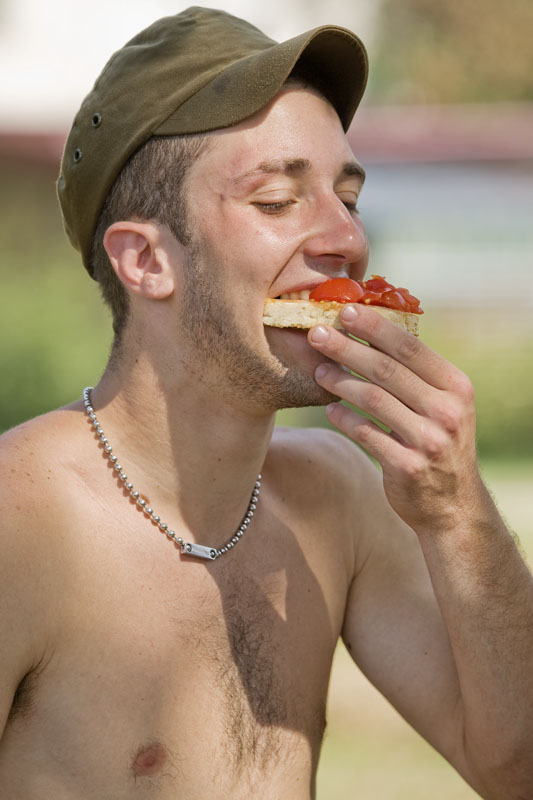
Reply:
x=409, y=346
x=464, y=387
x=413, y=467
x=373, y=396
x=434, y=446
x=434, y=440
x=362, y=433
x=384, y=369
x=449, y=416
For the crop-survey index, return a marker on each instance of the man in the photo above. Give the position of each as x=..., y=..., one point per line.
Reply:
x=168, y=618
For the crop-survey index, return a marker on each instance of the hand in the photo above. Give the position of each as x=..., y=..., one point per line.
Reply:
x=429, y=464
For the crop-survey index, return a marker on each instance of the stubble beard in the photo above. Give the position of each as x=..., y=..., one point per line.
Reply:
x=220, y=352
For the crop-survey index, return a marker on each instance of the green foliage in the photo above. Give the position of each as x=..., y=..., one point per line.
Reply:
x=54, y=331
x=453, y=51
x=54, y=341
x=494, y=347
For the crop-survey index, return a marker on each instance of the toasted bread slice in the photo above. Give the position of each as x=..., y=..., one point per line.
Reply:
x=306, y=313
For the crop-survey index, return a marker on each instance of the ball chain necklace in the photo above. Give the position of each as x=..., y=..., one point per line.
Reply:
x=187, y=548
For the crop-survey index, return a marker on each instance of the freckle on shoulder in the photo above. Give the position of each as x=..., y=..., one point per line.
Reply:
x=31, y=454
x=29, y=439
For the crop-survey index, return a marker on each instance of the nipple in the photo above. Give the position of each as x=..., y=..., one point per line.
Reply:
x=149, y=760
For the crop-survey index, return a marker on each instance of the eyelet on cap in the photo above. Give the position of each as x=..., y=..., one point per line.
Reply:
x=77, y=155
x=96, y=120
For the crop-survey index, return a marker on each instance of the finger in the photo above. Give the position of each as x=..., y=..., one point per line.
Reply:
x=381, y=333
x=382, y=370
x=374, y=400
x=382, y=446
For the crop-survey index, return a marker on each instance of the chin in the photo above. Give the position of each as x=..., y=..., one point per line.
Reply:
x=295, y=363
x=304, y=397
x=289, y=346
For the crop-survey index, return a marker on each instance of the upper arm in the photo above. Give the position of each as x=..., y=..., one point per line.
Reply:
x=393, y=627
x=21, y=580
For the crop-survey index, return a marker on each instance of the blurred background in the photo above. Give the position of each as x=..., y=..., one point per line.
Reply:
x=446, y=135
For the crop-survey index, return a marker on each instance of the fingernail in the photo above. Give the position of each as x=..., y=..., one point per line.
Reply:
x=331, y=409
x=349, y=314
x=321, y=370
x=319, y=334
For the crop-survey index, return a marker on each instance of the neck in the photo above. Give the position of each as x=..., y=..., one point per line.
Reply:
x=194, y=455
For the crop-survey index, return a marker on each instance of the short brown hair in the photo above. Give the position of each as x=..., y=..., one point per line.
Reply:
x=149, y=187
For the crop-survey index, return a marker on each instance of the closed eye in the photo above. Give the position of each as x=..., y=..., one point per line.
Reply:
x=273, y=208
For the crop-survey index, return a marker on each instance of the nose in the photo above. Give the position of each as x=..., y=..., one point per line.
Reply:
x=336, y=237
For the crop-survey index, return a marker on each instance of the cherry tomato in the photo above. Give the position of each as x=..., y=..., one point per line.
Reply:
x=412, y=301
x=342, y=290
x=377, y=284
x=376, y=291
x=393, y=299
x=370, y=298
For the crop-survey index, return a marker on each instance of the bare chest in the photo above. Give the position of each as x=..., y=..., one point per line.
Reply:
x=188, y=674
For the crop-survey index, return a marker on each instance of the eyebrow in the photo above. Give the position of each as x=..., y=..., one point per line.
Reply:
x=296, y=166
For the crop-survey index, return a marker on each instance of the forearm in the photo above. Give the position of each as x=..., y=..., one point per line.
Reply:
x=430, y=479
x=485, y=593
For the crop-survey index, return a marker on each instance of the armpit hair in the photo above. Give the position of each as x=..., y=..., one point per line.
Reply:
x=23, y=697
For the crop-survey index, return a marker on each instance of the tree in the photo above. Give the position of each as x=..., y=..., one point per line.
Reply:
x=453, y=51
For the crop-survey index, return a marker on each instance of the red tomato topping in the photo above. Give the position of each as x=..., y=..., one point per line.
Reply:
x=411, y=299
x=370, y=297
x=393, y=299
x=377, y=284
x=375, y=291
x=342, y=290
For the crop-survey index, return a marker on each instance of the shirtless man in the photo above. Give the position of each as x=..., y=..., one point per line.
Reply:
x=131, y=669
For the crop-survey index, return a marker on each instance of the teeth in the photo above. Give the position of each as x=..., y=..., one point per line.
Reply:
x=302, y=295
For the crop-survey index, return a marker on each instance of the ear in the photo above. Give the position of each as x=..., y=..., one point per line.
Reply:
x=140, y=254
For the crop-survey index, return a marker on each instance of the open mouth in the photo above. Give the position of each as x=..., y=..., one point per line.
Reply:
x=303, y=294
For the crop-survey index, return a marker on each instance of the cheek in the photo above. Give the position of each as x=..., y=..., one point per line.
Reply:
x=243, y=251
x=247, y=229
x=268, y=246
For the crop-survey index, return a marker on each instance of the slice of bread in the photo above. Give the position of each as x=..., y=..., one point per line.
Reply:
x=306, y=313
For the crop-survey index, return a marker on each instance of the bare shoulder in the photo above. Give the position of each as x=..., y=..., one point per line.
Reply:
x=321, y=459
x=336, y=480
x=33, y=452
x=317, y=447
x=30, y=485
x=35, y=480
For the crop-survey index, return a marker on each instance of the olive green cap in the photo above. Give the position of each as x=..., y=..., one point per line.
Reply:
x=197, y=71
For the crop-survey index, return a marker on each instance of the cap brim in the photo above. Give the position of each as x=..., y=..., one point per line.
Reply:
x=335, y=55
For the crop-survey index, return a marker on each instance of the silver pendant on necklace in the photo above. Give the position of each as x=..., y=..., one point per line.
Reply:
x=190, y=549
x=198, y=550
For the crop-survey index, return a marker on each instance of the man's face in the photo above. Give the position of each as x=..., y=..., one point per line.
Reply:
x=271, y=210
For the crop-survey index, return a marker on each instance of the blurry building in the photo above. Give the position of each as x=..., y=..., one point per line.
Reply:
x=449, y=201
